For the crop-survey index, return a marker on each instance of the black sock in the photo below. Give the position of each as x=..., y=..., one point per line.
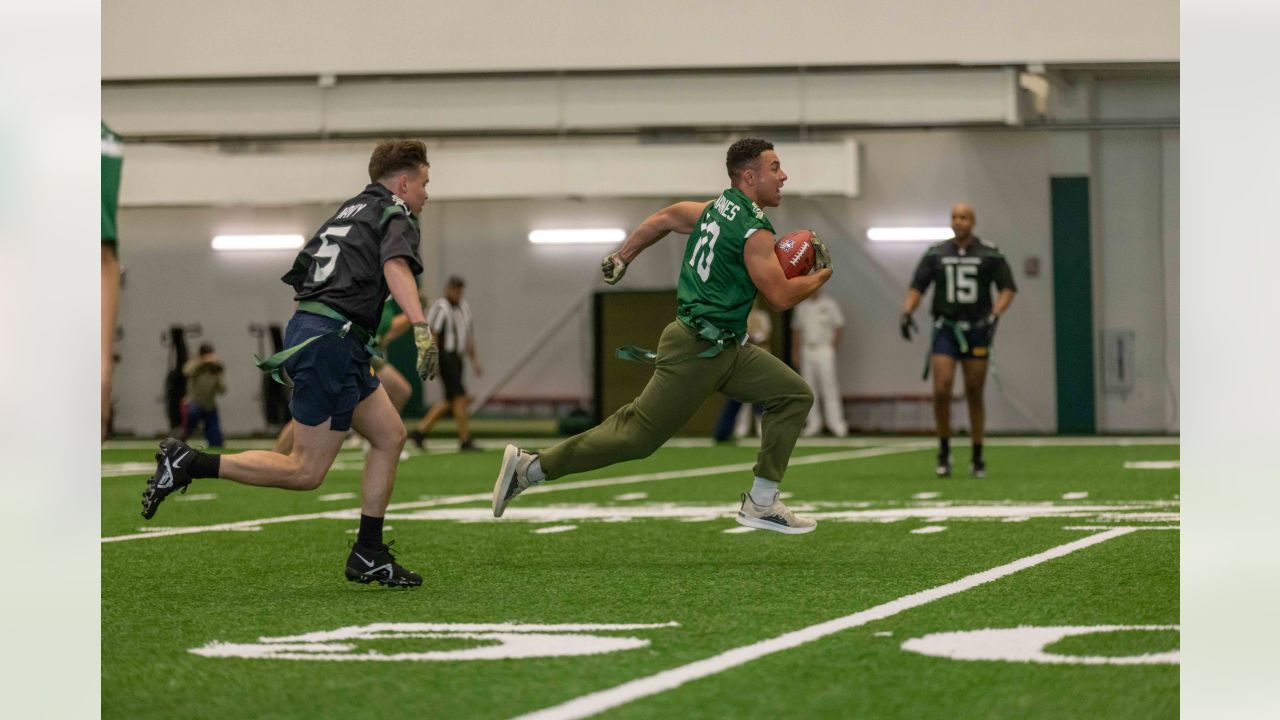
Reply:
x=977, y=451
x=944, y=447
x=205, y=465
x=370, y=532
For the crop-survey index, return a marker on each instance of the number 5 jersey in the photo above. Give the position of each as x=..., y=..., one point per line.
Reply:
x=341, y=265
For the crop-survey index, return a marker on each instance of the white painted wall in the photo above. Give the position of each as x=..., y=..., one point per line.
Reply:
x=166, y=175
x=300, y=106
x=187, y=38
x=1136, y=269
x=517, y=290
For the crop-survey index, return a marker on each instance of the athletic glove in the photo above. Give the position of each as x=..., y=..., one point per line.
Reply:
x=428, y=353
x=992, y=319
x=613, y=267
x=821, y=256
x=907, y=325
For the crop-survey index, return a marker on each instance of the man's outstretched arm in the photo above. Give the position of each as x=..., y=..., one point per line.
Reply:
x=679, y=218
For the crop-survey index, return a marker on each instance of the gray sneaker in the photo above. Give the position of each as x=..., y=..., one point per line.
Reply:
x=513, y=478
x=776, y=517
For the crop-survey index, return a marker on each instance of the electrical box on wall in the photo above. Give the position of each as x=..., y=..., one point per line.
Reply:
x=1117, y=361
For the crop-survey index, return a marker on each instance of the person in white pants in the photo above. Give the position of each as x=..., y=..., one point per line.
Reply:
x=818, y=323
x=759, y=330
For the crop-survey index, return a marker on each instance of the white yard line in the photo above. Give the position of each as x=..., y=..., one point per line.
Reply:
x=554, y=529
x=598, y=702
x=1153, y=465
x=537, y=489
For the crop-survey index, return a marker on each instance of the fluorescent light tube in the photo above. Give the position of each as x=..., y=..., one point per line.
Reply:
x=257, y=242
x=576, y=237
x=909, y=234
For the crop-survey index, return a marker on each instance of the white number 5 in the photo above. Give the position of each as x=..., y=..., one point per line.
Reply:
x=326, y=258
x=962, y=283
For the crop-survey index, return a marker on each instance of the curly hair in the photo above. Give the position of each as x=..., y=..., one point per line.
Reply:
x=743, y=154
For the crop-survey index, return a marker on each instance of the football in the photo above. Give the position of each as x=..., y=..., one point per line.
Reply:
x=795, y=252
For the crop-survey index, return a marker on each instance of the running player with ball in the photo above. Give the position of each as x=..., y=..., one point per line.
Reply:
x=730, y=255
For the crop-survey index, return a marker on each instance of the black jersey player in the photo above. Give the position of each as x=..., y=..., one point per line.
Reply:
x=341, y=278
x=962, y=271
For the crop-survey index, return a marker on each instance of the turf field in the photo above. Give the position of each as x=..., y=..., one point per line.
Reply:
x=630, y=592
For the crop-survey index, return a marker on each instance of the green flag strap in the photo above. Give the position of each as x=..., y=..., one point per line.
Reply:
x=956, y=327
x=706, y=332
x=273, y=365
x=633, y=353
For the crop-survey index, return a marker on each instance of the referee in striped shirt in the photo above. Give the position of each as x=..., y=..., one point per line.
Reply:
x=450, y=321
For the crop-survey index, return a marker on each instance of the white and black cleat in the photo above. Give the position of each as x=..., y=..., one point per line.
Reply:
x=366, y=565
x=978, y=469
x=173, y=472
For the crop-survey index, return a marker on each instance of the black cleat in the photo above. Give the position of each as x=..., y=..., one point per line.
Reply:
x=943, y=469
x=468, y=446
x=366, y=565
x=417, y=437
x=173, y=472
x=978, y=468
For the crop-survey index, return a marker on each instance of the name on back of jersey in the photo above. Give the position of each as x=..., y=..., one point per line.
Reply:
x=727, y=208
x=350, y=211
x=954, y=260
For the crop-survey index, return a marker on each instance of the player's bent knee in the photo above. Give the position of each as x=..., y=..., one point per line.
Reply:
x=398, y=435
x=306, y=477
x=806, y=398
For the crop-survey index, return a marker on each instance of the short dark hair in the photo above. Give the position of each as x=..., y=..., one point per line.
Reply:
x=393, y=156
x=206, y=348
x=744, y=153
x=456, y=281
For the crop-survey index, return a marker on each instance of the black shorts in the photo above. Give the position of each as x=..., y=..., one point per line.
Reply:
x=946, y=343
x=330, y=376
x=451, y=375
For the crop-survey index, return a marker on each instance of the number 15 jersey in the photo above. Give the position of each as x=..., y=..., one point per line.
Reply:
x=962, y=278
x=714, y=283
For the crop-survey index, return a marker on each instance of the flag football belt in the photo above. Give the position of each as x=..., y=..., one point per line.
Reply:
x=703, y=330
x=959, y=328
x=273, y=365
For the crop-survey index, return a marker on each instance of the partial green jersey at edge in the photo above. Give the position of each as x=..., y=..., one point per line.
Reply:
x=112, y=162
x=714, y=283
x=390, y=309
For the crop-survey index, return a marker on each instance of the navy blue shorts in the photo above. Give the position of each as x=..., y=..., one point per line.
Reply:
x=330, y=376
x=946, y=343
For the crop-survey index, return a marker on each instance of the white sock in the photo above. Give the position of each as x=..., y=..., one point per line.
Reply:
x=535, y=474
x=764, y=491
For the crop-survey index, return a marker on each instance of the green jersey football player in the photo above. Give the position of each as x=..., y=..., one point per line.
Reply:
x=729, y=258
x=112, y=162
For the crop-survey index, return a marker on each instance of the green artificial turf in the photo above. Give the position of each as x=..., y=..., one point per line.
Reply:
x=164, y=596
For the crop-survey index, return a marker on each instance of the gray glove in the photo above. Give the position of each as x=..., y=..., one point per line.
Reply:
x=613, y=267
x=821, y=256
x=428, y=353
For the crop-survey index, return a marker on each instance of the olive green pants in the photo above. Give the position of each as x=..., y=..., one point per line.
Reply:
x=681, y=382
